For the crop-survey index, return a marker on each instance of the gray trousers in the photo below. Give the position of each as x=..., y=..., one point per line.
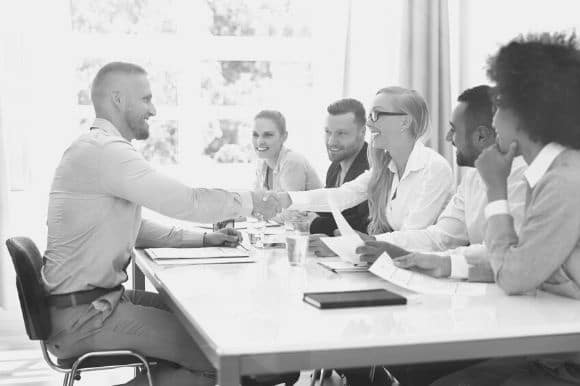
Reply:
x=140, y=322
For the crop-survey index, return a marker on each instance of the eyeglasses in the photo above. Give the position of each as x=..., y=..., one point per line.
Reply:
x=375, y=115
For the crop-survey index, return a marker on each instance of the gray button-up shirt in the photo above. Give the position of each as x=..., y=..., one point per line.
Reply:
x=94, y=210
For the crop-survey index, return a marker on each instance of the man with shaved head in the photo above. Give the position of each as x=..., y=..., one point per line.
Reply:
x=94, y=222
x=121, y=94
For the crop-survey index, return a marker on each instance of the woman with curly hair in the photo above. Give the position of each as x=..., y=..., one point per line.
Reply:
x=538, y=117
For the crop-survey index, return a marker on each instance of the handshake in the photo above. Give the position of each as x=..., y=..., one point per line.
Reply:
x=269, y=204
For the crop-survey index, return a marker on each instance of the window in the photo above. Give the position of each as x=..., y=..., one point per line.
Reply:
x=213, y=64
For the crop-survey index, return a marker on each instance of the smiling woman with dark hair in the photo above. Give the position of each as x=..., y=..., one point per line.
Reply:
x=538, y=116
x=279, y=168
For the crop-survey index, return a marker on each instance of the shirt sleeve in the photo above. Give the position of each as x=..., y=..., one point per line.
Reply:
x=126, y=174
x=548, y=235
x=155, y=235
x=346, y=196
x=450, y=231
x=431, y=197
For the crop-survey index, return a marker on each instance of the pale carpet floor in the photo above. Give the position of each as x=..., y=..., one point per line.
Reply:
x=21, y=361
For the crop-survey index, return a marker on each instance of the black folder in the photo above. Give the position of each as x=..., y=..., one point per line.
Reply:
x=361, y=298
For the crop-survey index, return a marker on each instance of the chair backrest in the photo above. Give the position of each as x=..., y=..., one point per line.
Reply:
x=31, y=292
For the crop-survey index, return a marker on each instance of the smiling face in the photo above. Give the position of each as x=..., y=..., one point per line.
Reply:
x=344, y=137
x=389, y=131
x=267, y=138
x=138, y=106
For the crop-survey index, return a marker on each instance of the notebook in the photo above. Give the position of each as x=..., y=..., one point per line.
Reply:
x=361, y=298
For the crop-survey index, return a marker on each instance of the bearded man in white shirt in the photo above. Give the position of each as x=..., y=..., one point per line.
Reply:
x=94, y=222
x=457, y=236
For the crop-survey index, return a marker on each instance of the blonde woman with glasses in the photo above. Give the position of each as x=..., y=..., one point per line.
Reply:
x=408, y=183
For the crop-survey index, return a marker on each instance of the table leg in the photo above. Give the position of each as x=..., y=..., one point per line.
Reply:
x=229, y=372
x=138, y=277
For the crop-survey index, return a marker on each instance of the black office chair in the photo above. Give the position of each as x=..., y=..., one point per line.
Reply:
x=32, y=295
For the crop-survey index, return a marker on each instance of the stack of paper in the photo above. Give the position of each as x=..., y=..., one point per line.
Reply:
x=195, y=256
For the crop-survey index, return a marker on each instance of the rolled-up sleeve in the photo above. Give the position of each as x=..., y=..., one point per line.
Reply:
x=126, y=174
x=548, y=235
x=155, y=235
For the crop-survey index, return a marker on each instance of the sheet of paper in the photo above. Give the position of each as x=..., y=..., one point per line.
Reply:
x=196, y=253
x=342, y=266
x=345, y=246
x=224, y=260
x=418, y=282
x=343, y=225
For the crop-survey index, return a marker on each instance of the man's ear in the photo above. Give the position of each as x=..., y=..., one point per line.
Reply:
x=406, y=123
x=117, y=98
x=363, y=130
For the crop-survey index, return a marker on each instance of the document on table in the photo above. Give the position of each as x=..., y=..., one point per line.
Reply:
x=197, y=253
x=343, y=225
x=421, y=283
x=345, y=246
x=338, y=266
x=221, y=260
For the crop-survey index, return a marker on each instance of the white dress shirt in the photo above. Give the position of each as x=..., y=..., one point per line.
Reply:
x=416, y=198
x=460, y=230
x=94, y=210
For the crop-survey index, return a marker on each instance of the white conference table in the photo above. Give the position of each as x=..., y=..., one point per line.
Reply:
x=250, y=319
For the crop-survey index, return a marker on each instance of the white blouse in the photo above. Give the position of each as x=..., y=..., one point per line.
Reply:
x=416, y=199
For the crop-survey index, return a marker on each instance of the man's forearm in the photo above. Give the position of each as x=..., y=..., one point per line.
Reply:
x=155, y=235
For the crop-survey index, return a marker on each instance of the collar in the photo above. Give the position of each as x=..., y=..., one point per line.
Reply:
x=518, y=163
x=106, y=126
x=417, y=160
x=542, y=162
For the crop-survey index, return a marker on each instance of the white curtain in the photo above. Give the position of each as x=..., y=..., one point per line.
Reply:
x=37, y=117
x=372, y=48
x=4, y=215
x=425, y=63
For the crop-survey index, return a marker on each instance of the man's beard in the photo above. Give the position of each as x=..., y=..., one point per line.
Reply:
x=462, y=160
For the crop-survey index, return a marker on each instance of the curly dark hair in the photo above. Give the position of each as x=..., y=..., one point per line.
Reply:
x=538, y=77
